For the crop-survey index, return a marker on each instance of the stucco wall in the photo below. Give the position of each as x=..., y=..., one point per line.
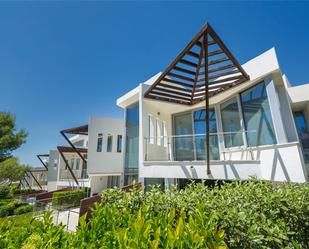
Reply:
x=104, y=162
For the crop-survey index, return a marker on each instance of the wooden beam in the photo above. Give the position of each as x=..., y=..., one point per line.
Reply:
x=174, y=87
x=169, y=95
x=180, y=69
x=218, y=69
x=180, y=77
x=178, y=82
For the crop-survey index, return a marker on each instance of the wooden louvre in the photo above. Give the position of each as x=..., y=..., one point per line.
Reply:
x=204, y=68
x=185, y=81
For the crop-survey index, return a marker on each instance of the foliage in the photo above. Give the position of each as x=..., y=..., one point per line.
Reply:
x=10, y=138
x=25, y=231
x=11, y=170
x=250, y=214
x=23, y=209
x=12, y=206
x=4, y=191
x=68, y=198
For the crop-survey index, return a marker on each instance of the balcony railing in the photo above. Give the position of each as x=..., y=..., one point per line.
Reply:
x=193, y=147
x=79, y=174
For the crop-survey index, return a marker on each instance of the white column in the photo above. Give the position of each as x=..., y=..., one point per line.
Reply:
x=274, y=105
x=219, y=130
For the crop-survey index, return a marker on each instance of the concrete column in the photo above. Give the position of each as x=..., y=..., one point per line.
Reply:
x=219, y=130
x=274, y=105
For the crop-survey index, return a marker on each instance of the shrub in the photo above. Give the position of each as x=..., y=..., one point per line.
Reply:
x=4, y=211
x=68, y=198
x=4, y=191
x=23, y=209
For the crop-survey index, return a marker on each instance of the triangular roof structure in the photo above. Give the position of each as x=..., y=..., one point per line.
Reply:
x=204, y=68
x=185, y=81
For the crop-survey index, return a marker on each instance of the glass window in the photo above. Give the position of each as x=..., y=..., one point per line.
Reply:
x=183, y=140
x=119, y=143
x=302, y=129
x=132, y=135
x=231, y=123
x=150, y=130
x=99, y=143
x=113, y=181
x=257, y=116
x=159, y=135
x=150, y=182
x=72, y=163
x=200, y=131
x=79, y=143
x=77, y=163
x=109, y=143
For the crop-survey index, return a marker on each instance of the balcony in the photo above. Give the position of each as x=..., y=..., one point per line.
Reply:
x=193, y=147
x=65, y=174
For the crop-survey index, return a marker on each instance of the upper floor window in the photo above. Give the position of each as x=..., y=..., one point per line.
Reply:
x=109, y=143
x=99, y=142
x=257, y=116
x=231, y=123
x=119, y=143
x=77, y=163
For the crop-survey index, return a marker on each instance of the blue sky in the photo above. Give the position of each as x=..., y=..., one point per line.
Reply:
x=61, y=62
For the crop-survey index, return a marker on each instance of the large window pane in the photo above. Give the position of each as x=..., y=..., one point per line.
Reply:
x=231, y=123
x=257, y=116
x=183, y=140
x=200, y=131
x=132, y=129
x=109, y=143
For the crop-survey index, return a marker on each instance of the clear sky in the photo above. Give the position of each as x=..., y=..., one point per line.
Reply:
x=61, y=62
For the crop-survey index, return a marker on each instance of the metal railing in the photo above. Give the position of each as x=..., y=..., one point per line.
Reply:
x=192, y=147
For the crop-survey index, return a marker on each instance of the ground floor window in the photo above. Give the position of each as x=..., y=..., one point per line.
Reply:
x=113, y=181
x=130, y=179
x=150, y=182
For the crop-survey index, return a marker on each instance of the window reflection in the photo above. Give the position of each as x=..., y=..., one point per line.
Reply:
x=200, y=141
x=231, y=123
x=257, y=116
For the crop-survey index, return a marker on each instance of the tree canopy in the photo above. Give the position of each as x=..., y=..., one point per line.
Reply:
x=10, y=138
x=11, y=170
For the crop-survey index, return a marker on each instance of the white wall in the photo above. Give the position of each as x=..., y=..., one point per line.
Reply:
x=105, y=162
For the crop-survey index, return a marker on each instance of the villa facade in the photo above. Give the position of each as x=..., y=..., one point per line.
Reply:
x=256, y=128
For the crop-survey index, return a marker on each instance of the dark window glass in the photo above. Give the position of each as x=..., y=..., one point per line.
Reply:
x=109, y=143
x=99, y=143
x=119, y=143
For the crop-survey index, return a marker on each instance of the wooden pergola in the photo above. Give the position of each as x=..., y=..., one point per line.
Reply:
x=80, y=130
x=204, y=68
x=41, y=160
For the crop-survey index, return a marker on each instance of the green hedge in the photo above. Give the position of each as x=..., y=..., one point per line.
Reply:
x=4, y=191
x=251, y=214
x=68, y=198
x=9, y=207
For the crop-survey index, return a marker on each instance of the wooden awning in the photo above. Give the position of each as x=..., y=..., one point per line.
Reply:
x=185, y=81
x=80, y=130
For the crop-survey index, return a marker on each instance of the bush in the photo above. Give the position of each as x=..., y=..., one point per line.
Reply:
x=4, y=191
x=68, y=198
x=251, y=214
x=4, y=211
x=23, y=209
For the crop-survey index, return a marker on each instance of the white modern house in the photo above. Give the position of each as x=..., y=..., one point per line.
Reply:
x=35, y=178
x=232, y=122
x=93, y=159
